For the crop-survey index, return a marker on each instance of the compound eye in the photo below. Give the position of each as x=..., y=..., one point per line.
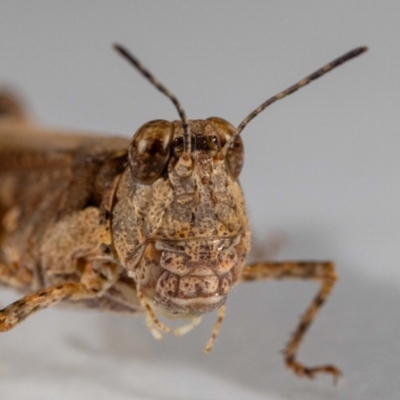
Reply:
x=150, y=151
x=235, y=157
x=213, y=144
x=235, y=153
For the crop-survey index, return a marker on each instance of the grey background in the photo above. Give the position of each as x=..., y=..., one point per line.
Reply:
x=321, y=169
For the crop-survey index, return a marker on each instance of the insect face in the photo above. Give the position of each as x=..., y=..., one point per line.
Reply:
x=191, y=216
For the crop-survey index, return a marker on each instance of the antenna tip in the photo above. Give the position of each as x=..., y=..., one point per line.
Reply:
x=360, y=50
x=118, y=47
x=125, y=53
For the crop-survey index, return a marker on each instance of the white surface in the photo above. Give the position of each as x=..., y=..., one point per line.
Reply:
x=321, y=165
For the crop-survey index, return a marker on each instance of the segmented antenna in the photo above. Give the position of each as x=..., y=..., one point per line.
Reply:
x=152, y=79
x=328, y=67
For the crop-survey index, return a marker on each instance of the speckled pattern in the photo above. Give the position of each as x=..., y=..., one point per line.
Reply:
x=157, y=225
x=185, y=237
x=181, y=240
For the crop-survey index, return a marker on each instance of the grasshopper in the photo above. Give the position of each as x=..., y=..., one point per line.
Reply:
x=156, y=225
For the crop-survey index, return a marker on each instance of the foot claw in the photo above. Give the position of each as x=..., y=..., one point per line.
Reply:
x=310, y=372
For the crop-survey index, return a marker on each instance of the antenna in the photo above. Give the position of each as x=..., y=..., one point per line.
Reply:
x=305, y=81
x=153, y=80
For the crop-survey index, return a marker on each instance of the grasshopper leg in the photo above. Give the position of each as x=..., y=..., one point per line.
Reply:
x=21, y=309
x=324, y=272
x=92, y=284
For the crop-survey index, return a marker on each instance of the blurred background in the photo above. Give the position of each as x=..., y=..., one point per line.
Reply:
x=321, y=174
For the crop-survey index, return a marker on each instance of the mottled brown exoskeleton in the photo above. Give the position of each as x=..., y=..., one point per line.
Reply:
x=156, y=226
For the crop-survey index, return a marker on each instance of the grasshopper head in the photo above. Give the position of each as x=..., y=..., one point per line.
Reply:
x=187, y=214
